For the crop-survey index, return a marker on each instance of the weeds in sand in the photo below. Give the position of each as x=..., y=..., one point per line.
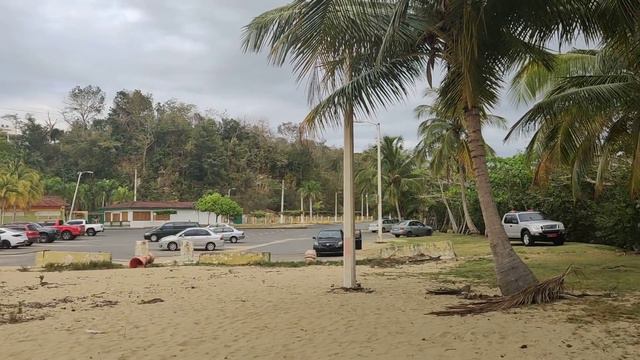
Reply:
x=606, y=310
x=24, y=269
x=93, y=265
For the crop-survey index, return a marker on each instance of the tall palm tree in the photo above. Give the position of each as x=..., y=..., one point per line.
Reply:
x=310, y=34
x=475, y=43
x=443, y=142
x=312, y=190
x=29, y=185
x=589, y=113
x=398, y=171
x=8, y=187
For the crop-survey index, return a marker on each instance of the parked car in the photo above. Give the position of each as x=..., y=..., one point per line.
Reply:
x=411, y=228
x=387, y=224
x=11, y=238
x=89, y=229
x=169, y=228
x=202, y=238
x=46, y=234
x=67, y=232
x=228, y=232
x=331, y=241
x=531, y=226
x=32, y=234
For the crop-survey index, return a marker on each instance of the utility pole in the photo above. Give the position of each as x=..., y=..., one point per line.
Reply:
x=367, y=206
x=75, y=193
x=282, y=203
x=135, y=184
x=379, y=186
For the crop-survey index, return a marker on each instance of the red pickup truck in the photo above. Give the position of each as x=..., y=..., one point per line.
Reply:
x=67, y=232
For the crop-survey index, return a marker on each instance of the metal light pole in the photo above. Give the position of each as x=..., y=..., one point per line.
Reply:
x=335, y=215
x=75, y=193
x=379, y=240
x=282, y=204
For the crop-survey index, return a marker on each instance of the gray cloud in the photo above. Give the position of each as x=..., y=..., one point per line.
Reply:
x=189, y=50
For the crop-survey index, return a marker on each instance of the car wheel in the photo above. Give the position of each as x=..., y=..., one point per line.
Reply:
x=91, y=232
x=172, y=246
x=5, y=244
x=233, y=239
x=43, y=238
x=383, y=229
x=210, y=246
x=66, y=235
x=558, y=242
x=397, y=236
x=527, y=240
x=429, y=232
x=154, y=238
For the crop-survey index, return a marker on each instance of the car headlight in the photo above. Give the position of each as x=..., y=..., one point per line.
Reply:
x=536, y=227
x=147, y=234
x=561, y=226
x=315, y=243
x=339, y=243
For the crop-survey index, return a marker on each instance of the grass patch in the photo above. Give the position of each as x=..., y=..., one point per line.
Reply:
x=605, y=268
x=93, y=265
x=600, y=310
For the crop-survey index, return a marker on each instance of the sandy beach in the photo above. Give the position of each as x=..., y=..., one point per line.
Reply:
x=197, y=312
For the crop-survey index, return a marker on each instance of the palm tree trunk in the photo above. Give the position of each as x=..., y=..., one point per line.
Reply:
x=15, y=209
x=512, y=273
x=301, y=209
x=452, y=219
x=398, y=209
x=348, y=200
x=310, y=209
x=465, y=205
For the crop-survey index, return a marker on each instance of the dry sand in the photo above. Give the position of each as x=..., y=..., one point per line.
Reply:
x=278, y=313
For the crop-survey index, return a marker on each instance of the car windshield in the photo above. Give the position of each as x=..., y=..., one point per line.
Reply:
x=530, y=217
x=330, y=234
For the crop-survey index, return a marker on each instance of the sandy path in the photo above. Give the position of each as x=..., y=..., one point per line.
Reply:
x=269, y=313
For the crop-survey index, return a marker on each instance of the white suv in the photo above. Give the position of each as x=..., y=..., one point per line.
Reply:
x=11, y=238
x=531, y=226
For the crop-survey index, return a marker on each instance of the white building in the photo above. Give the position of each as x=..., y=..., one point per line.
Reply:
x=9, y=125
x=143, y=214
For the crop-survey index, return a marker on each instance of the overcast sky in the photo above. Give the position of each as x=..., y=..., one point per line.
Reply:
x=188, y=50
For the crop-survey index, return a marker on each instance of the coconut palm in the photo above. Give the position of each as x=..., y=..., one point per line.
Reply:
x=310, y=34
x=475, y=43
x=311, y=190
x=588, y=115
x=443, y=142
x=29, y=186
x=8, y=187
x=398, y=171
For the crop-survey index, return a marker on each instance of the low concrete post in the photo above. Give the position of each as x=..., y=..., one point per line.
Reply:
x=142, y=248
x=186, y=251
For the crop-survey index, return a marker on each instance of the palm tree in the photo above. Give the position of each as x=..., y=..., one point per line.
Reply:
x=443, y=142
x=121, y=194
x=311, y=36
x=475, y=43
x=8, y=187
x=29, y=185
x=398, y=171
x=311, y=190
x=588, y=115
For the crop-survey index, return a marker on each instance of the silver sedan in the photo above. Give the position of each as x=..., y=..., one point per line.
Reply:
x=201, y=238
x=229, y=233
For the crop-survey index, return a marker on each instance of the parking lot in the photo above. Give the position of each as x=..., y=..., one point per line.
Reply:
x=283, y=244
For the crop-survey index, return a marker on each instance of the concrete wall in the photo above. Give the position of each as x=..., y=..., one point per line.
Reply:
x=68, y=257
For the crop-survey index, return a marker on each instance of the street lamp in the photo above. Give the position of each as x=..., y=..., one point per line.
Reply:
x=379, y=178
x=229, y=192
x=75, y=193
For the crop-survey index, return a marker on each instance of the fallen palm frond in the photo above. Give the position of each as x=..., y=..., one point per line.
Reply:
x=450, y=291
x=542, y=293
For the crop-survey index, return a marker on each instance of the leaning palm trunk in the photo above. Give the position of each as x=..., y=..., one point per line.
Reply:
x=452, y=219
x=15, y=210
x=398, y=209
x=512, y=274
x=465, y=206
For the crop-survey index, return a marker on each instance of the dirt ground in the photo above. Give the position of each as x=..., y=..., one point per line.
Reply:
x=197, y=312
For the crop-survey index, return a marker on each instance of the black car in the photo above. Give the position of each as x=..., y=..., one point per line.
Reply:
x=330, y=241
x=170, y=228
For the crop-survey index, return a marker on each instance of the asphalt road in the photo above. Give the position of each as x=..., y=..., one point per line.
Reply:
x=283, y=244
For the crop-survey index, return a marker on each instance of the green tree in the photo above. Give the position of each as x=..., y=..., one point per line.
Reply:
x=29, y=186
x=311, y=189
x=219, y=205
x=8, y=187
